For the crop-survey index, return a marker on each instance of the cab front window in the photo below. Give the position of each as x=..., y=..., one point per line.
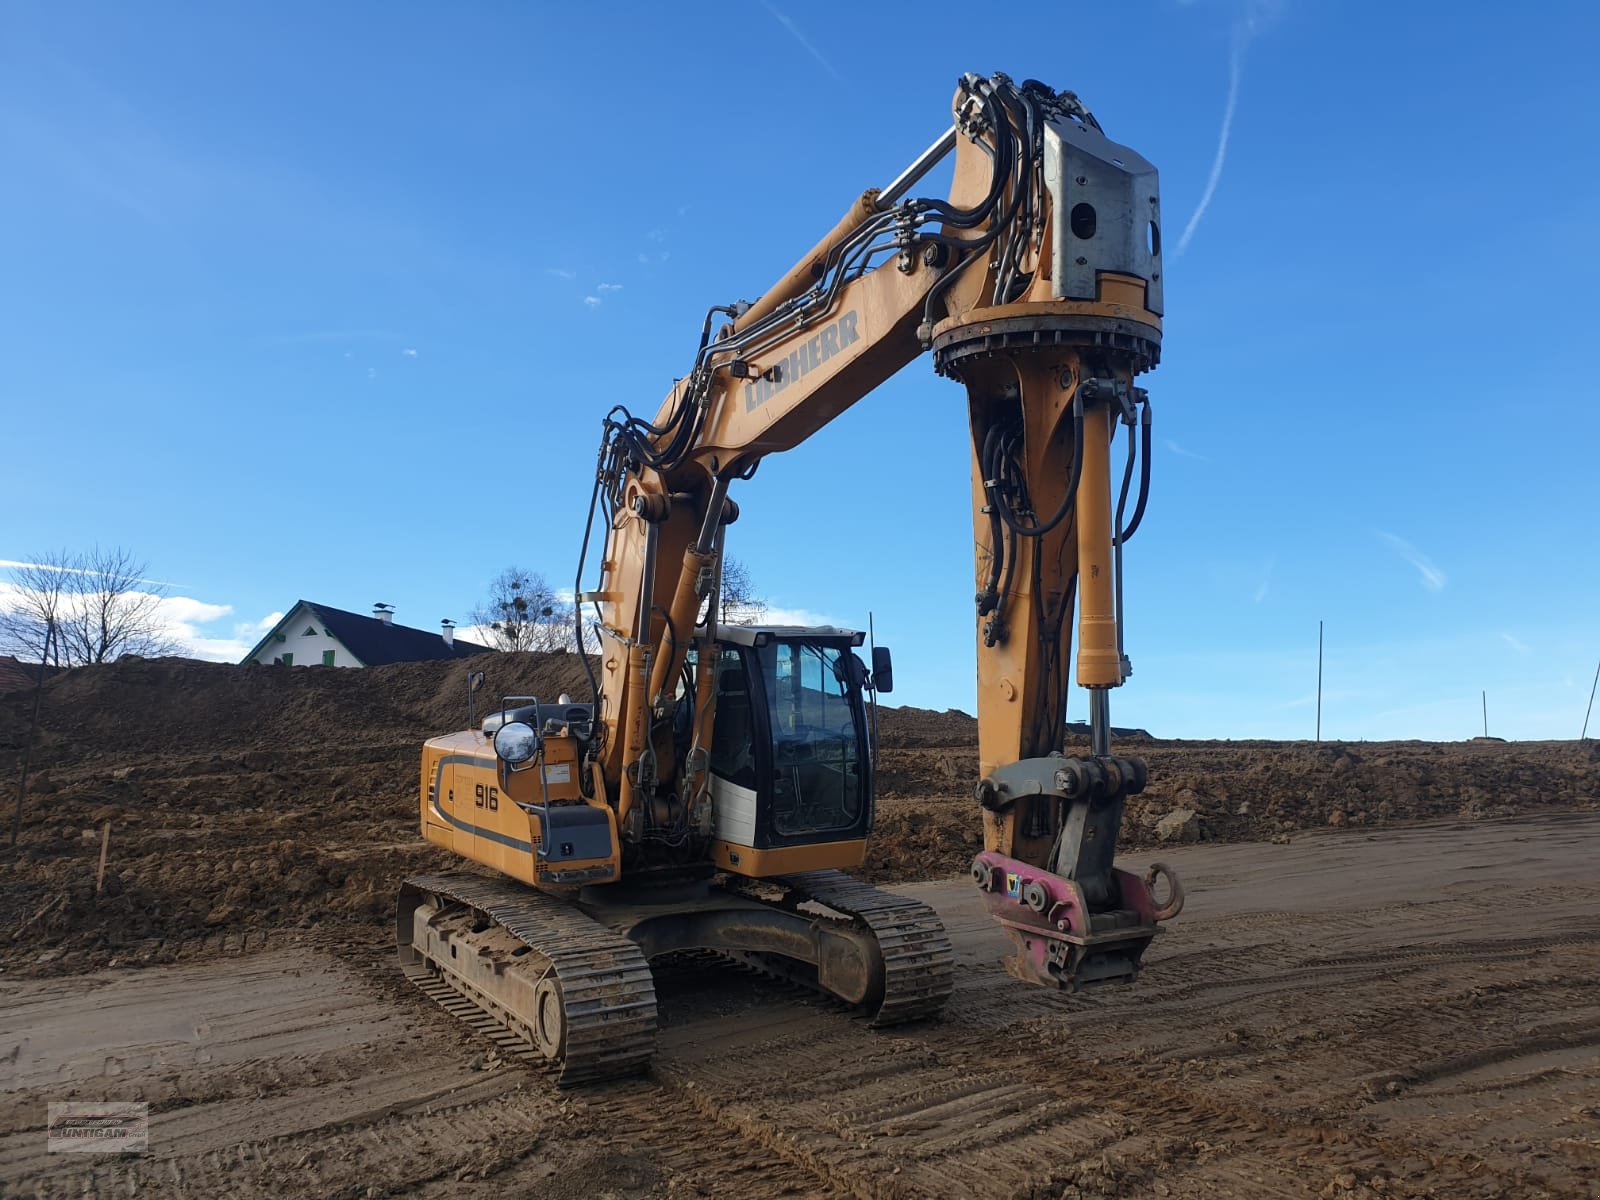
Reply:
x=817, y=739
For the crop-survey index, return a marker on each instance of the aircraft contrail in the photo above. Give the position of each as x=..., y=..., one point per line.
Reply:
x=794, y=30
x=1235, y=70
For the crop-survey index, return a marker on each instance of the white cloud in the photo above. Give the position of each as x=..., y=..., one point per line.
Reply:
x=185, y=610
x=609, y=287
x=478, y=635
x=408, y=353
x=254, y=629
x=183, y=621
x=560, y=273
x=593, y=301
x=482, y=635
x=777, y=614
x=1182, y=453
x=644, y=258
x=372, y=372
x=1432, y=577
x=1517, y=644
x=227, y=650
x=180, y=618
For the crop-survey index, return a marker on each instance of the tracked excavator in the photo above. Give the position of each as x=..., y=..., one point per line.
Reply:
x=710, y=798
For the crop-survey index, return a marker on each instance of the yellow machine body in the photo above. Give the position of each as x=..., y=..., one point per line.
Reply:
x=477, y=808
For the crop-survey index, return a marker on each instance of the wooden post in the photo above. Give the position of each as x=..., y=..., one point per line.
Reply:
x=105, y=845
x=1485, y=714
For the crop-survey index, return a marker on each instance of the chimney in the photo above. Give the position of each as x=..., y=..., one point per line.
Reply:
x=447, y=630
x=384, y=612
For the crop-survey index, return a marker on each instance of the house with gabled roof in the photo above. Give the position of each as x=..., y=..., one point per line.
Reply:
x=321, y=635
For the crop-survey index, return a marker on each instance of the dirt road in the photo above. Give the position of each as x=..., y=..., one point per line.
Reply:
x=1413, y=1013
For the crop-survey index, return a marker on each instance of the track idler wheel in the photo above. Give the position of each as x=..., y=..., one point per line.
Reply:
x=549, y=1024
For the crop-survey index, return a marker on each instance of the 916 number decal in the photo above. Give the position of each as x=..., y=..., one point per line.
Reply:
x=488, y=796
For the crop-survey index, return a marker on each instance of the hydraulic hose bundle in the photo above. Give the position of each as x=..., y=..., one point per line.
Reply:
x=1007, y=122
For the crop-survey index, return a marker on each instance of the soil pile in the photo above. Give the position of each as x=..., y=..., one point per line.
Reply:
x=929, y=823
x=240, y=798
x=244, y=799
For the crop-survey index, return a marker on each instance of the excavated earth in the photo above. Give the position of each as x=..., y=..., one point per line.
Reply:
x=1386, y=982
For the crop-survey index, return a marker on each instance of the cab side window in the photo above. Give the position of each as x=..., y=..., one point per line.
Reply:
x=733, y=736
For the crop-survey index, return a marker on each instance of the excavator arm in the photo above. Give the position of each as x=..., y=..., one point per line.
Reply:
x=1036, y=284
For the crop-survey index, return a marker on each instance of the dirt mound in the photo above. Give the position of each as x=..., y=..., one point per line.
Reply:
x=239, y=798
x=136, y=708
x=928, y=821
x=250, y=798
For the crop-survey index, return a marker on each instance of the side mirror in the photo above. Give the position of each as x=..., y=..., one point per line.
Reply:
x=515, y=743
x=849, y=670
x=882, y=669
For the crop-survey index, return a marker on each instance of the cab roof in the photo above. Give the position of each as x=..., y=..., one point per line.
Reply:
x=760, y=635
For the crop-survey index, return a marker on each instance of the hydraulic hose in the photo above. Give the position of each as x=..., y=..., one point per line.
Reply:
x=989, y=597
x=1072, y=483
x=1144, y=476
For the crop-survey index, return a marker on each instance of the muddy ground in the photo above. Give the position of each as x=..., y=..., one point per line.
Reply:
x=1385, y=983
x=1407, y=1013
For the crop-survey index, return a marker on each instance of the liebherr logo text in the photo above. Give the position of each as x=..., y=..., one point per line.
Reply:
x=829, y=341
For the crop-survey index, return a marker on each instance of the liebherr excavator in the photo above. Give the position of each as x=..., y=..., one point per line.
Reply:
x=713, y=794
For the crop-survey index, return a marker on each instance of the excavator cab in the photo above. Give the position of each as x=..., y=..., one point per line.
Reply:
x=791, y=759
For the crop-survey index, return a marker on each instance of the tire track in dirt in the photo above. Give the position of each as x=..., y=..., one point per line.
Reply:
x=1252, y=1059
x=1004, y=1097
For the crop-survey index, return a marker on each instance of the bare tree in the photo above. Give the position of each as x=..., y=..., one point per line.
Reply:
x=523, y=612
x=97, y=604
x=741, y=605
x=31, y=607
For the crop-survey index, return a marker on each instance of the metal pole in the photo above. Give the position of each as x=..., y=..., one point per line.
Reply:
x=872, y=648
x=713, y=521
x=1099, y=722
x=924, y=163
x=1319, y=681
x=1590, y=709
x=647, y=582
x=1486, y=714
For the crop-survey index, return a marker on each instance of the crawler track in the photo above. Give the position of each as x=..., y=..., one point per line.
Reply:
x=485, y=951
x=918, y=962
x=606, y=992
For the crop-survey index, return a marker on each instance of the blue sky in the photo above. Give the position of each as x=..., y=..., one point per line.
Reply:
x=327, y=301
